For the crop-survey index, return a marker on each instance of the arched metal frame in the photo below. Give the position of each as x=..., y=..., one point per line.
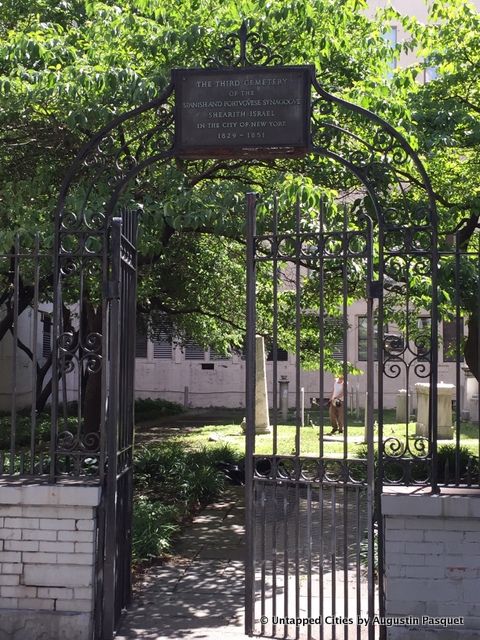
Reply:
x=144, y=136
x=134, y=141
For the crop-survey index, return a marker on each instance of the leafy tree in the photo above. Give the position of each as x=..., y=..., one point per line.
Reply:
x=445, y=121
x=68, y=68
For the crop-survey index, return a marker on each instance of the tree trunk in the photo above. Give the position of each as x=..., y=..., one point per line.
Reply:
x=43, y=392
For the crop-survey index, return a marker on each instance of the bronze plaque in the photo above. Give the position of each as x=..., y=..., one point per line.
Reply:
x=231, y=113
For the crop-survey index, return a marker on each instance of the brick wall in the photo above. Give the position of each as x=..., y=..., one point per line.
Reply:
x=432, y=563
x=47, y=559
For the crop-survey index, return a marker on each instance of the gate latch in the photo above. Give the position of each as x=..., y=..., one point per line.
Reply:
x=375, y=289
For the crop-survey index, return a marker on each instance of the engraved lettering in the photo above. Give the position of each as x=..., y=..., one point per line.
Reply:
x=241, y=111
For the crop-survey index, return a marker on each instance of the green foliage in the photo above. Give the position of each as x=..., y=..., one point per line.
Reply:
x=447, y=463
x=149, y=408
x=154, y=526
x=179, y=474
x=445, y=110
x=171, y=482
x=23, y=432
x=67, y=68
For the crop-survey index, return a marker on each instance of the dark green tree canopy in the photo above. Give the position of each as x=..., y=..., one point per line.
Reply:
x=68, y=68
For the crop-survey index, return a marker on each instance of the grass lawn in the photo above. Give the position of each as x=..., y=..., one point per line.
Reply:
x=231, y=434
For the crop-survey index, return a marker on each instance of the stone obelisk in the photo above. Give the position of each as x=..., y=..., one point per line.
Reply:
x=262, y=420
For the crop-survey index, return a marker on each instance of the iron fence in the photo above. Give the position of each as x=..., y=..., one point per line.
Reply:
x=26, y=284
x=314, y=533
x=47, y=427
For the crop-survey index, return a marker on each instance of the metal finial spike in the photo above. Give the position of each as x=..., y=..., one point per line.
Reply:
x=242, y=35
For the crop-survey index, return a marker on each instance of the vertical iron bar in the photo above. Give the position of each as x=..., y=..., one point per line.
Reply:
x=297, y=552
x=321, y=591
x=478, y=353
x=345, y=557
x=263, y=556
x=80, y=370
x=377, y=478
x=285, y=561
x=433, y=418
x=298, y=250
x=333, y=557
x=106, y=354
x=109, y=580
x=370, y=466
x=274, y=558
x=131, y=417
x=13, y=418
x=251, y=203
x=275, y=325
x=33, y=415
x=309, y=558
x=321, y=334
x=457, y=361
x=358, y=559
x=57, y=297
x=345, y=243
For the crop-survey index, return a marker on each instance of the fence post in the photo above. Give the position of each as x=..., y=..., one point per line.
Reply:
x=113, y=296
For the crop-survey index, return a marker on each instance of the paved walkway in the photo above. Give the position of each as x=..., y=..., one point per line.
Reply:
x=200, y=594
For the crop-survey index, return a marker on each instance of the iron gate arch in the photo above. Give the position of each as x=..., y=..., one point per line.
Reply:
x=109, y=162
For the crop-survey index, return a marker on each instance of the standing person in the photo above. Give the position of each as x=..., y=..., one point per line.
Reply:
x=336, y=405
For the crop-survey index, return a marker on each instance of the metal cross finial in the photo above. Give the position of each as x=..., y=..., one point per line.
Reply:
x=258, y=53
x=243, y=37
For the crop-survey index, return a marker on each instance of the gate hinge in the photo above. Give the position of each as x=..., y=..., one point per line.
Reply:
x=375, y=289
x=112, y=290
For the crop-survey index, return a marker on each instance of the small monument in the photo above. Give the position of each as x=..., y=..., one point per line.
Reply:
x=403, y=401
x=444, y=411
x=262, y=419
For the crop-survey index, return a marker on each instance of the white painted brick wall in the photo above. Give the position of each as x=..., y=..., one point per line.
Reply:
x=47, y=551
x=432, y=562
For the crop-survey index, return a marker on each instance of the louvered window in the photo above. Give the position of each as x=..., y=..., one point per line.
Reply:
x=141, y=344
x=162, y=346
x=46, y=335
x=194, y=351
x=334, y=327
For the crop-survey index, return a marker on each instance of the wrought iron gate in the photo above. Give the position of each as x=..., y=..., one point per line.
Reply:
x=319, y=504
x=312, y=569
x=122, y=294
x=95, y=279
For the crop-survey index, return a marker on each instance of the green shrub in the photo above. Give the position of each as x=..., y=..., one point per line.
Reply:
x=446, y=456
x=178, y=474
x=149, y=408
x=23, y=431
x=171, y=482
x=154, y=526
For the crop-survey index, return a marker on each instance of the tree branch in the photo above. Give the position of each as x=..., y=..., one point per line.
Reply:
x=160, y=306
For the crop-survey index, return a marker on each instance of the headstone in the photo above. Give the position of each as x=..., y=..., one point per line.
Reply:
x=262, y=420
x=444, y=411
x=302, y=407
x=283, y=384
x=470, y=395
x=401, y=406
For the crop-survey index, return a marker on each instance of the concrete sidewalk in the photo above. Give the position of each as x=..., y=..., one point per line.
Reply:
x=200, y=593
